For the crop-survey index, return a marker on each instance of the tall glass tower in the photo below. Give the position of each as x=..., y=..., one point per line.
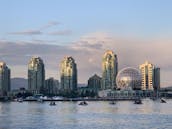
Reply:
x=110, y=70
x=36, y=75
x=68, y=74
x=4, y=79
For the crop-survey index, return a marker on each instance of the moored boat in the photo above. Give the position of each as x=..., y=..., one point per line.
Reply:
x=163, y=101
x=84, y=103
x=52, y=103
x=112, y=102
x=138, y=101
x=20, y=100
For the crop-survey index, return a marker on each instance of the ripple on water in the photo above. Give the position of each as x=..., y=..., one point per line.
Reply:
x=96, y=115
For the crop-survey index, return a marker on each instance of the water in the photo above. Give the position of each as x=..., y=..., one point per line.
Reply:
x=96, y=115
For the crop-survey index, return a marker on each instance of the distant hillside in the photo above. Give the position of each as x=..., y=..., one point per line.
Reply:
x=167, y=88
x=17, y=83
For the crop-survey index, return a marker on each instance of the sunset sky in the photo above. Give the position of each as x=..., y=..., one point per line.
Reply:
x=136, y=30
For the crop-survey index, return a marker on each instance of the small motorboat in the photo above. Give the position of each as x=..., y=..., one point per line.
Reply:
x=163, y=101
x=84, y=103
x=52, y=103
x=138, y=101
x=112, y=102
x=20, y=100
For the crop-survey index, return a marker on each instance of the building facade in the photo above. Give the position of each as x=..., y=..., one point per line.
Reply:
x=94, y=83
x=68, y=74
x=4, y=79
x=150, y=76
x=157, y=78
x=36, y=75
x=51, y=86
x=110, y=70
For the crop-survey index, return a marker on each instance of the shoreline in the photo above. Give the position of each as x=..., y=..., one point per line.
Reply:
x=79, y=99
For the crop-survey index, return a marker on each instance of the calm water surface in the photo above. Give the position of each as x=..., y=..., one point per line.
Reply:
x=96, y=115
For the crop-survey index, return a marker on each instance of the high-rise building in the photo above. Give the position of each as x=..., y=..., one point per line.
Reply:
x=68, y=74
x=94, y=82
x=51, y=86
x=4, y=79
x=147, y=72
x=110, y=70
x=36, y=75
x=157, y=78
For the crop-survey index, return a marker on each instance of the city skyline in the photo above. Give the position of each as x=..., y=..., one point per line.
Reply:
x=133, y=30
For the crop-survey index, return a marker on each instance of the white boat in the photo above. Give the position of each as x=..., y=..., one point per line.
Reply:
x=20, y=100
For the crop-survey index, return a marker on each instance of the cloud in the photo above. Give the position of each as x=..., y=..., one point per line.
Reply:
x=87, y=52
x=41, y=30
x=87, y=45
x=27, y=32
x=37, y=31
x=62, y=32
x=50, y=24
x=93, y=41
x=40, y=41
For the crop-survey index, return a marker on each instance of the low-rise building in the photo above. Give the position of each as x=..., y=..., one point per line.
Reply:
x=94, y=83
x=51, y=86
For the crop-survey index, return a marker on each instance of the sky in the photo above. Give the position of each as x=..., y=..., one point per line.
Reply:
x=136, y=30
